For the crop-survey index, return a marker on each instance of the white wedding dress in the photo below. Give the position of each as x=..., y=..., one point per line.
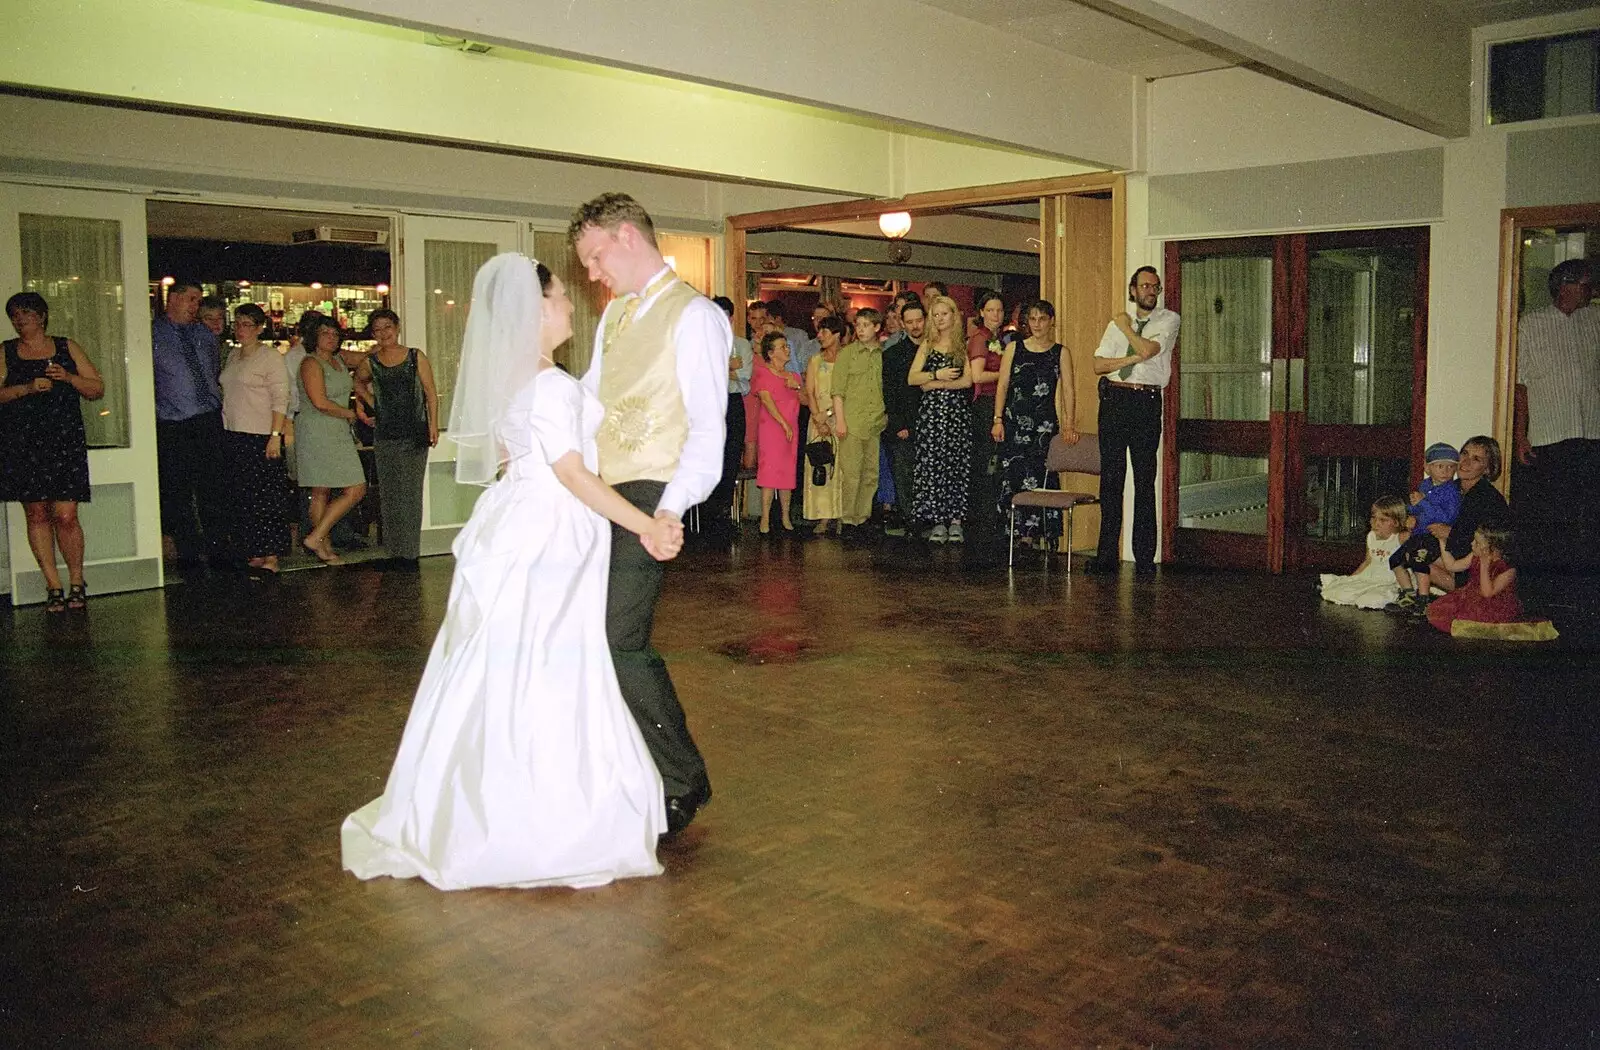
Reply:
x=520, y=764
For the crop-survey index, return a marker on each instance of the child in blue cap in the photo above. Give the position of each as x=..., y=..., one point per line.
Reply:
x=1435, y=502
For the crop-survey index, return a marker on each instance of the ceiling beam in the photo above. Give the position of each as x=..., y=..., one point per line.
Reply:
x=1409, y=60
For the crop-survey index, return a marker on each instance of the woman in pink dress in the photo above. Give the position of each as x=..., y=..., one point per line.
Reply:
x=778, y=391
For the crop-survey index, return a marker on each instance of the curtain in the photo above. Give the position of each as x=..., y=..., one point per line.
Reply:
x=830, y=292
x=588, y=297
x=690, y=258
x=1227, y=354
x=448, y=269
x=76, y=264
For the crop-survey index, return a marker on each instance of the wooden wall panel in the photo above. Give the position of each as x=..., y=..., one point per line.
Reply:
x=1088, y=275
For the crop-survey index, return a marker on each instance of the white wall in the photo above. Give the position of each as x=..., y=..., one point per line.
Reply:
x=1236, y=118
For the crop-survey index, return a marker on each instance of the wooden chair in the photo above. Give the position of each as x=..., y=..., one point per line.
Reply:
x=1082, y=458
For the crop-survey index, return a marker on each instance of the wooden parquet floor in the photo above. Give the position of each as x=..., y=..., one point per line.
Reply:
x=951, y=811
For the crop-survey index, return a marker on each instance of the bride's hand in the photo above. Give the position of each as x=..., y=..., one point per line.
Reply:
x=664, y=538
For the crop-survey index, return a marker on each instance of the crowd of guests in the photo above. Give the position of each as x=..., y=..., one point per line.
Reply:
x=254, y=442
x=912, y=419
x=251, y=442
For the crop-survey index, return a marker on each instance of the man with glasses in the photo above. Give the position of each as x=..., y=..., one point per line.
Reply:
x=1134, y=363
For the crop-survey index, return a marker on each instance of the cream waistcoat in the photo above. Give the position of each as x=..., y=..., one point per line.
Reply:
x=645, y=425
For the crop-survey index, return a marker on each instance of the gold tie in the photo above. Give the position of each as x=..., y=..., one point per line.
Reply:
x=630, y=306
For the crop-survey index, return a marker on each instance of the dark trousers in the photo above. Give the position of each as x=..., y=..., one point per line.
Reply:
x=721, y=499
x=983, y=491
x=635, y=587
x=1130, y=428
x=902, y=460
x=801, y=467
x=1556, y=499
x=1420, y=550
x=191, y=467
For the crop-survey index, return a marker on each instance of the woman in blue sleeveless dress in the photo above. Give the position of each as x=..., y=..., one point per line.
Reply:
x=44, y=458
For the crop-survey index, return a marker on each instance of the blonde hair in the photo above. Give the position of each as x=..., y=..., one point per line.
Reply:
x=957, y=337
x=1391, y=507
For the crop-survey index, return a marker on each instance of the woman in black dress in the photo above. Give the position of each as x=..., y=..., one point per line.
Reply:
x=944, y=430
x=44, y=458
x=397, y=381
x=1481, y=504
x=1034, y=400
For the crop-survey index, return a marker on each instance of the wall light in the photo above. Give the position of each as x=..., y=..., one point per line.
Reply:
x=316, y=284
x=895, y=224
x=382, y=289
x=168, y=282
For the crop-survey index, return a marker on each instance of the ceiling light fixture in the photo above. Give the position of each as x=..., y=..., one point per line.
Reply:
x=895, y=224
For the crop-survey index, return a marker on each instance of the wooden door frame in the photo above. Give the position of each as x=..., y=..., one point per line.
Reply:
x=1512, y=222
x=737, y=227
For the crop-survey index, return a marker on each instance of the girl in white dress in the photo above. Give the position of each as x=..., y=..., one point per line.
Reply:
x=1372, y=585
x=520, y=764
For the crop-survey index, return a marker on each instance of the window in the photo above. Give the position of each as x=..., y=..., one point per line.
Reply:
x=1557, y=76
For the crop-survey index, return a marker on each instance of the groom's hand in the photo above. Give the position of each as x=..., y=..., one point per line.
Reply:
x=665, y=537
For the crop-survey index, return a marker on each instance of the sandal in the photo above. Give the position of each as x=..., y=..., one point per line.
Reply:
x=55, y=600
x=78, y=597
x=324, y=553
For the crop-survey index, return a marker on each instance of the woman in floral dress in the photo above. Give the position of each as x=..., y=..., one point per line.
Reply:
x=1035, y=401
x=944, y=431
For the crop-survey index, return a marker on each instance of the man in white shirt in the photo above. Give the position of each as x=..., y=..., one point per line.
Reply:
x=660, y=367
x=1134, y=363
x=1556, y=425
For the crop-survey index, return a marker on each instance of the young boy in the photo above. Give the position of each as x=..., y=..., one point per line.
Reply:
x=858, y=403
x=1435, y=502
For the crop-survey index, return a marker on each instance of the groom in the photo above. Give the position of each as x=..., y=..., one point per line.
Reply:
x=660, y=368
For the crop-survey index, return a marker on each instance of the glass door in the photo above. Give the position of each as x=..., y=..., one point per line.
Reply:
x=85, y=252
x=1224, y=405
x=1365, y=347
x=1297, y=393
x=439, y=257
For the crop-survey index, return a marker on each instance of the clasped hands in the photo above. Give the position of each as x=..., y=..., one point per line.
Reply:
x=664, y=538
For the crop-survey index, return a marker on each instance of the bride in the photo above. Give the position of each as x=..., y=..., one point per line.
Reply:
x=520, y=764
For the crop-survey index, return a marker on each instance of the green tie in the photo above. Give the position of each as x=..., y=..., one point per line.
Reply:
x=1138, y=326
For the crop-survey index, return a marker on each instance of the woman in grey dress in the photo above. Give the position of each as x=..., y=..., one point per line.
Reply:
x=326, y=448
x=398, y=382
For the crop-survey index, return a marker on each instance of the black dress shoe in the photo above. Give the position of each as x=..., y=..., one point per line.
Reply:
x=681, y=810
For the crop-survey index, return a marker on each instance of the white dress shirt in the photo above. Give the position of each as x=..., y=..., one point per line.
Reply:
x=1162, y=327
x=1558, y=360
x=703, y=339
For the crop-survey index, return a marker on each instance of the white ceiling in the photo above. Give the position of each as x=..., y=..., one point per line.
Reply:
x=1084, y=32
x=1488, y=12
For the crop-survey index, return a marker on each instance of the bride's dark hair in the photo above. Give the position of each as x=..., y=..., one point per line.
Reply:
x=544, y=278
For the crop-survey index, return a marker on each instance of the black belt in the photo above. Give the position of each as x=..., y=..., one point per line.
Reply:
x=1143, y=388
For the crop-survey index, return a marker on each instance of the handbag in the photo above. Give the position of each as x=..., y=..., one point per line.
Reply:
x=820, y=455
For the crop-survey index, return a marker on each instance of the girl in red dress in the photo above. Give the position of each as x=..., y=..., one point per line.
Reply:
x=1490, y=593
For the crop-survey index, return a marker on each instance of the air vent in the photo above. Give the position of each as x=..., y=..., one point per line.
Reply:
x=340, y=235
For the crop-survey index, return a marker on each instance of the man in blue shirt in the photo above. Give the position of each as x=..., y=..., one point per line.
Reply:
x=740, y=362
x=188, y=425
